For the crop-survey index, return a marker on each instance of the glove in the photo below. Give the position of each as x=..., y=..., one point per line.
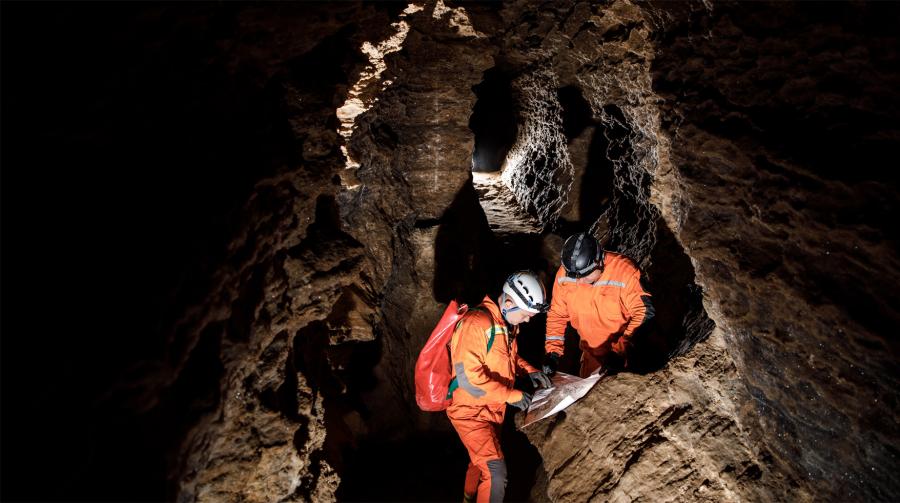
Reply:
x=550, y=363
x=539, y=380
x=524, y=402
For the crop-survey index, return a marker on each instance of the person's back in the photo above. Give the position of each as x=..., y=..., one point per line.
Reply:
x=483, y=357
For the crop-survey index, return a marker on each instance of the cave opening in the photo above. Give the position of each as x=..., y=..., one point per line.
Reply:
x=576, y=111
x=493, y=121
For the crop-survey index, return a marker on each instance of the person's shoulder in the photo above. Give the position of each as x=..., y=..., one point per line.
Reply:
x=618, y=260
x=561, y=272
x=477, y=317
x=562, y=279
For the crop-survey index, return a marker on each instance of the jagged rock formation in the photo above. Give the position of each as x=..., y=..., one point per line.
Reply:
x=668, y=436
x=667, y=101
x=731, y=149
x=330, y=264
x=801, y=278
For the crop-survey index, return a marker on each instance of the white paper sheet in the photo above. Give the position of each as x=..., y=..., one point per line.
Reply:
x=566, y=390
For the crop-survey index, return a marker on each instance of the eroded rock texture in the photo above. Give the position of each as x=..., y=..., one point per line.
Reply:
x=771, y=183
x=732, y=150
x=326, y=261
x=705, y=123
x=667, y=436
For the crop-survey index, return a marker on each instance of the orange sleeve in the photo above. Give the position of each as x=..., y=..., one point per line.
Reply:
x=636, y=303
x=468, y=356
x=524, y=366
x=557, y=319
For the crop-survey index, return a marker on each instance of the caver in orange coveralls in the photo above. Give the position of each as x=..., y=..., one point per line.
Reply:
x=605, y=313
x=486, y=379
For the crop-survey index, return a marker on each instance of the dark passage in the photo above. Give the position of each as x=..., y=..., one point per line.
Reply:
x=577, y=114
x=493, y=121
x=125, y=161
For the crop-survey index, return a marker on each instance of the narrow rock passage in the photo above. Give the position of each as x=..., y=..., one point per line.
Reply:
x=504, y=214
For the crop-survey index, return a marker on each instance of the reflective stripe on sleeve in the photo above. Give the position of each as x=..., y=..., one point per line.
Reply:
x=555, y=338
x=464, y=383
x=609, y=282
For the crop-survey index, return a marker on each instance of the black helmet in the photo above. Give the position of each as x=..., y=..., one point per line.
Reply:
x=581, y=255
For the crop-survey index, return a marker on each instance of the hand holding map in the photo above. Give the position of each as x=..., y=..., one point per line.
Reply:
x=566, y=390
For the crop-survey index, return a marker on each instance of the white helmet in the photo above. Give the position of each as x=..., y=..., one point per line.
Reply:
x=527, y=291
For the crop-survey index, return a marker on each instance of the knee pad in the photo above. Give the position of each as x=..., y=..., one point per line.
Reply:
x=497, y=467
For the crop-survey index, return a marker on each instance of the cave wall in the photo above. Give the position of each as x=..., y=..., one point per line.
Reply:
x=780, y=205
x=415, y=149
x=735, y=152
x=291, y=301
x=709, y=99
x=330, y=285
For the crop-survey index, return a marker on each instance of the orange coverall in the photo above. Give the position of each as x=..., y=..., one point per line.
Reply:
x=478, y=405
x=605, y=313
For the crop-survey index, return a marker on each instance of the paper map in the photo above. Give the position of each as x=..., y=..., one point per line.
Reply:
x=566, y=390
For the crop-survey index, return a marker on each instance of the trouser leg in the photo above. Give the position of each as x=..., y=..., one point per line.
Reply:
x=493, y=490
x=473, y=476
x=482, y=441
x=611, y=361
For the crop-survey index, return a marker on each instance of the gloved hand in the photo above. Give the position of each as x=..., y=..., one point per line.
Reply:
x=551, y=360
x=523, y=403
x=540, y=380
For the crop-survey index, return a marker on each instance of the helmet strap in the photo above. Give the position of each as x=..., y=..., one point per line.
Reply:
x=504, y=310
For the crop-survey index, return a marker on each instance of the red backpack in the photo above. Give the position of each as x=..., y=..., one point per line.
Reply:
x=434, y=386
x=433, y=366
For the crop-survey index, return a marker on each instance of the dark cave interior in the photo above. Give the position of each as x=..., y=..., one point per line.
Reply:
x=493, y=121
x=140, y=144
x=135, y=160
x=187, y=151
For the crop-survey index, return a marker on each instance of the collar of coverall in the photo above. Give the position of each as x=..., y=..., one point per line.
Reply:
x=579, y=281
x=494, y=309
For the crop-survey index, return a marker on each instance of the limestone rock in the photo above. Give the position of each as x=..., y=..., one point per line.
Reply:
x=730, y=149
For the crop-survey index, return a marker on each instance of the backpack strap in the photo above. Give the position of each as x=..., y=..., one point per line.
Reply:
x=493, y=326
x=454, y=383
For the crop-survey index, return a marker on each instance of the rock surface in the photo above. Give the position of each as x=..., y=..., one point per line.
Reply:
x=773, y=196
x=692, y=103
x=732, y=149
x=668, y=436
x=684, y=104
